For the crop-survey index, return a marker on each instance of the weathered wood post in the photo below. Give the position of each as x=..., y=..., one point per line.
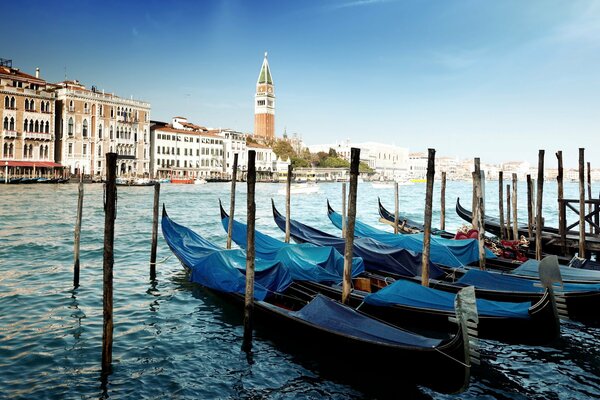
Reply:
x=443, y=202
x=476, y=178
x=396, y=206
x=77, y=234
x=501, y=203
x=427, y=219
x=538, y=212
x=232, y=200
x=344, y=209
x=514, y=207
x=529, y=207
x=581, y=202
x=562, y=211
x=288, y=195
x=508, y=224
x=154, y=232
x=348, y=251
x=589, y=187
x=110, y=211
x=250, y=251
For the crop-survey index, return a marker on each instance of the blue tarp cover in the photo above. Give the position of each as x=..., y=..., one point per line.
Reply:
x=304, y=261
x=448, y=252
x=498, y=281
x=375, y=255
x=531, y=268
x=332, y=315
x=414, y=295
x=221, y=269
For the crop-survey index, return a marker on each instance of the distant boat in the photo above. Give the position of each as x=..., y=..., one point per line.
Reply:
x=418, y=180
x=382, y=185
x=300, y=188
x=182, y=180
x=200, y=181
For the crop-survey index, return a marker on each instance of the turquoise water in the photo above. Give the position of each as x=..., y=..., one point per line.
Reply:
x=172, y=340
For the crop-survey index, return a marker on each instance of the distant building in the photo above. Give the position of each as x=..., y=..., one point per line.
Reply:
x=27, y=112
x=90, y=123
x=264, y=104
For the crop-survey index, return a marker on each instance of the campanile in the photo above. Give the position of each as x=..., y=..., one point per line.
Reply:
x=264, y=103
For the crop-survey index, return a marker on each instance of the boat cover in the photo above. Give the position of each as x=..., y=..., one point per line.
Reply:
x=504, y=282
x=414, y=295
x=376, y=256
x=221, y=269
x=336, y=317
x=448, y=252
x=531, y=266
x=305, y=261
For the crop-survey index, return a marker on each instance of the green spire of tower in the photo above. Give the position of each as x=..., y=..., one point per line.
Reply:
x=265, y=73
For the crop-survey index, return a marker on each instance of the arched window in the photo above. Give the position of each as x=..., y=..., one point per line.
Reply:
x=30, y=151
x=12, y=124
x=70, y=129
x=112, y=113
x=101, y=110
x=42, y=106
x=85, y=128
x=5, y=126
x=31, y=125
x=47, y=128
x=111, y=134
x=118, y=111
x=6, y=102
x=99, y=131
x=5, y=153
x=47, y=106
x=26, y=104
x=71, y=106
x=32, y=105
x=99, y=150
x=37, y=126
x=46, y=151
x=12, y=105
x=25, y=125
x=41, y=151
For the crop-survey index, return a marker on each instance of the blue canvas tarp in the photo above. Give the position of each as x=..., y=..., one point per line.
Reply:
x=414, y=295
x=376, y=256
x=221, y=269
x=304, y=261
x=447, y=252
x=531, y=268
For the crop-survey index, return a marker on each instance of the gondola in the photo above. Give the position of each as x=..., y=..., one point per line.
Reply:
x=403, y=302
x=582, y=300
x=320, y=325
x=407, y=225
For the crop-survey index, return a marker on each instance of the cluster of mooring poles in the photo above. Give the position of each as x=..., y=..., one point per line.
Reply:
x=508, y=226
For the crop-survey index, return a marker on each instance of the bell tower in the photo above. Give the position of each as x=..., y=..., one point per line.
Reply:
x=264, y=103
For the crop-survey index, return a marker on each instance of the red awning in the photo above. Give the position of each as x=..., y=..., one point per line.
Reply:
x=37, y=164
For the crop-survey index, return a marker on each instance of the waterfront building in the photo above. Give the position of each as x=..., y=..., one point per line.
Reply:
x=91, y=123
x=235, y=143
x=185, y=150
x=27, y=112
x=265, y=161
x=264, y=104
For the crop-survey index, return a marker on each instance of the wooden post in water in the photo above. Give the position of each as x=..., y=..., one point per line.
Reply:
x=476, y=178
x=288, y=195
x=344, y=209
x=479, y=210
x=529, y=207
x=514, y=207
x=154, y=232
x=443, y=202
x=589, y=187
x=427, y=219
x=232, y=200
x=581, y=202
x=110, y=212
x=562, y=221
x=250, y=251
x=348, y=251
x=501, y=203
x=77, y=234
x=396, y=207
x=508, y=224
x=538, y=212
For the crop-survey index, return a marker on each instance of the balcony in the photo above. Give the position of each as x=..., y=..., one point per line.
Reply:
x=86, y=111
x=71, y=109
x=37, y=135
x=9, y=134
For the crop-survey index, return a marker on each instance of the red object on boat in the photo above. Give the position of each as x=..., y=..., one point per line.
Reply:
x=471, y=234
x=182, y=180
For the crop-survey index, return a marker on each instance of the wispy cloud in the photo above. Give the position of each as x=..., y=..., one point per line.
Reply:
x=355, y=3
x=583, y=28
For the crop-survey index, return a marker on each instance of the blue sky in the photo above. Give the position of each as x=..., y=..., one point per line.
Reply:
x=493, y=79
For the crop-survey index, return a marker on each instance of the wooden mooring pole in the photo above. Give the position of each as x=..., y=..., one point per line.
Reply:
x=250, y=252
x=529, y=207
x=562, y=222
x=443, y=202
x=232, y=200
x=581, y=202
x=154, y=232
x=514, y=208
x=476, y=177
x=396, y=207
x=508, y=225
x=77, y=234
x=288, y=196
x=501, y=203
x=349, y=247
x=539, y=221
x=427, y=219
x=480, y=215
x=589, y=187
x=344, y=209
x=110, y=212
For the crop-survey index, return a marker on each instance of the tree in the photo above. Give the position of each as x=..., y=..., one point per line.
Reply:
x=283, y=149
x=332, y=153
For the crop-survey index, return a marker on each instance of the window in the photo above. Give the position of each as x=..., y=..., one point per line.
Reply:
x=112, y=112
x=26, y=104
x=85, y=128
x=31, y=126
x=157, y=149
x=5, y=126
x=261, y=102
x=71, y=106
x=99, y=150
x=11, y=126
x=32, y=105
x=99, y=131
x=111, y=134
x=101, y=110
x=37, y=126
x=41, y=152
x=70, y=149
x=6, y=102
x=84, y=149
x=13, y=106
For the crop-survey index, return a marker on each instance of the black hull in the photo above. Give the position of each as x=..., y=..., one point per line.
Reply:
x=407, y=225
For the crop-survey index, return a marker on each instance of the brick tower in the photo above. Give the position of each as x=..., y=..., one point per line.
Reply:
x=264, y=104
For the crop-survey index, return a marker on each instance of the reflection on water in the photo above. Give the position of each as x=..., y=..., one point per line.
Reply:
x=174, y=340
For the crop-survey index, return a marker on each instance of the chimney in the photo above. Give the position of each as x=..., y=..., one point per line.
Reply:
x=37, y=72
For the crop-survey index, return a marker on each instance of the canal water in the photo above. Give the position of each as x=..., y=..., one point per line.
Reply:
x=173, y=340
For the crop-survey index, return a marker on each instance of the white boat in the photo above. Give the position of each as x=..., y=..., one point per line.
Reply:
x=300, y=188
x=200, y=181
x=382, y=185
